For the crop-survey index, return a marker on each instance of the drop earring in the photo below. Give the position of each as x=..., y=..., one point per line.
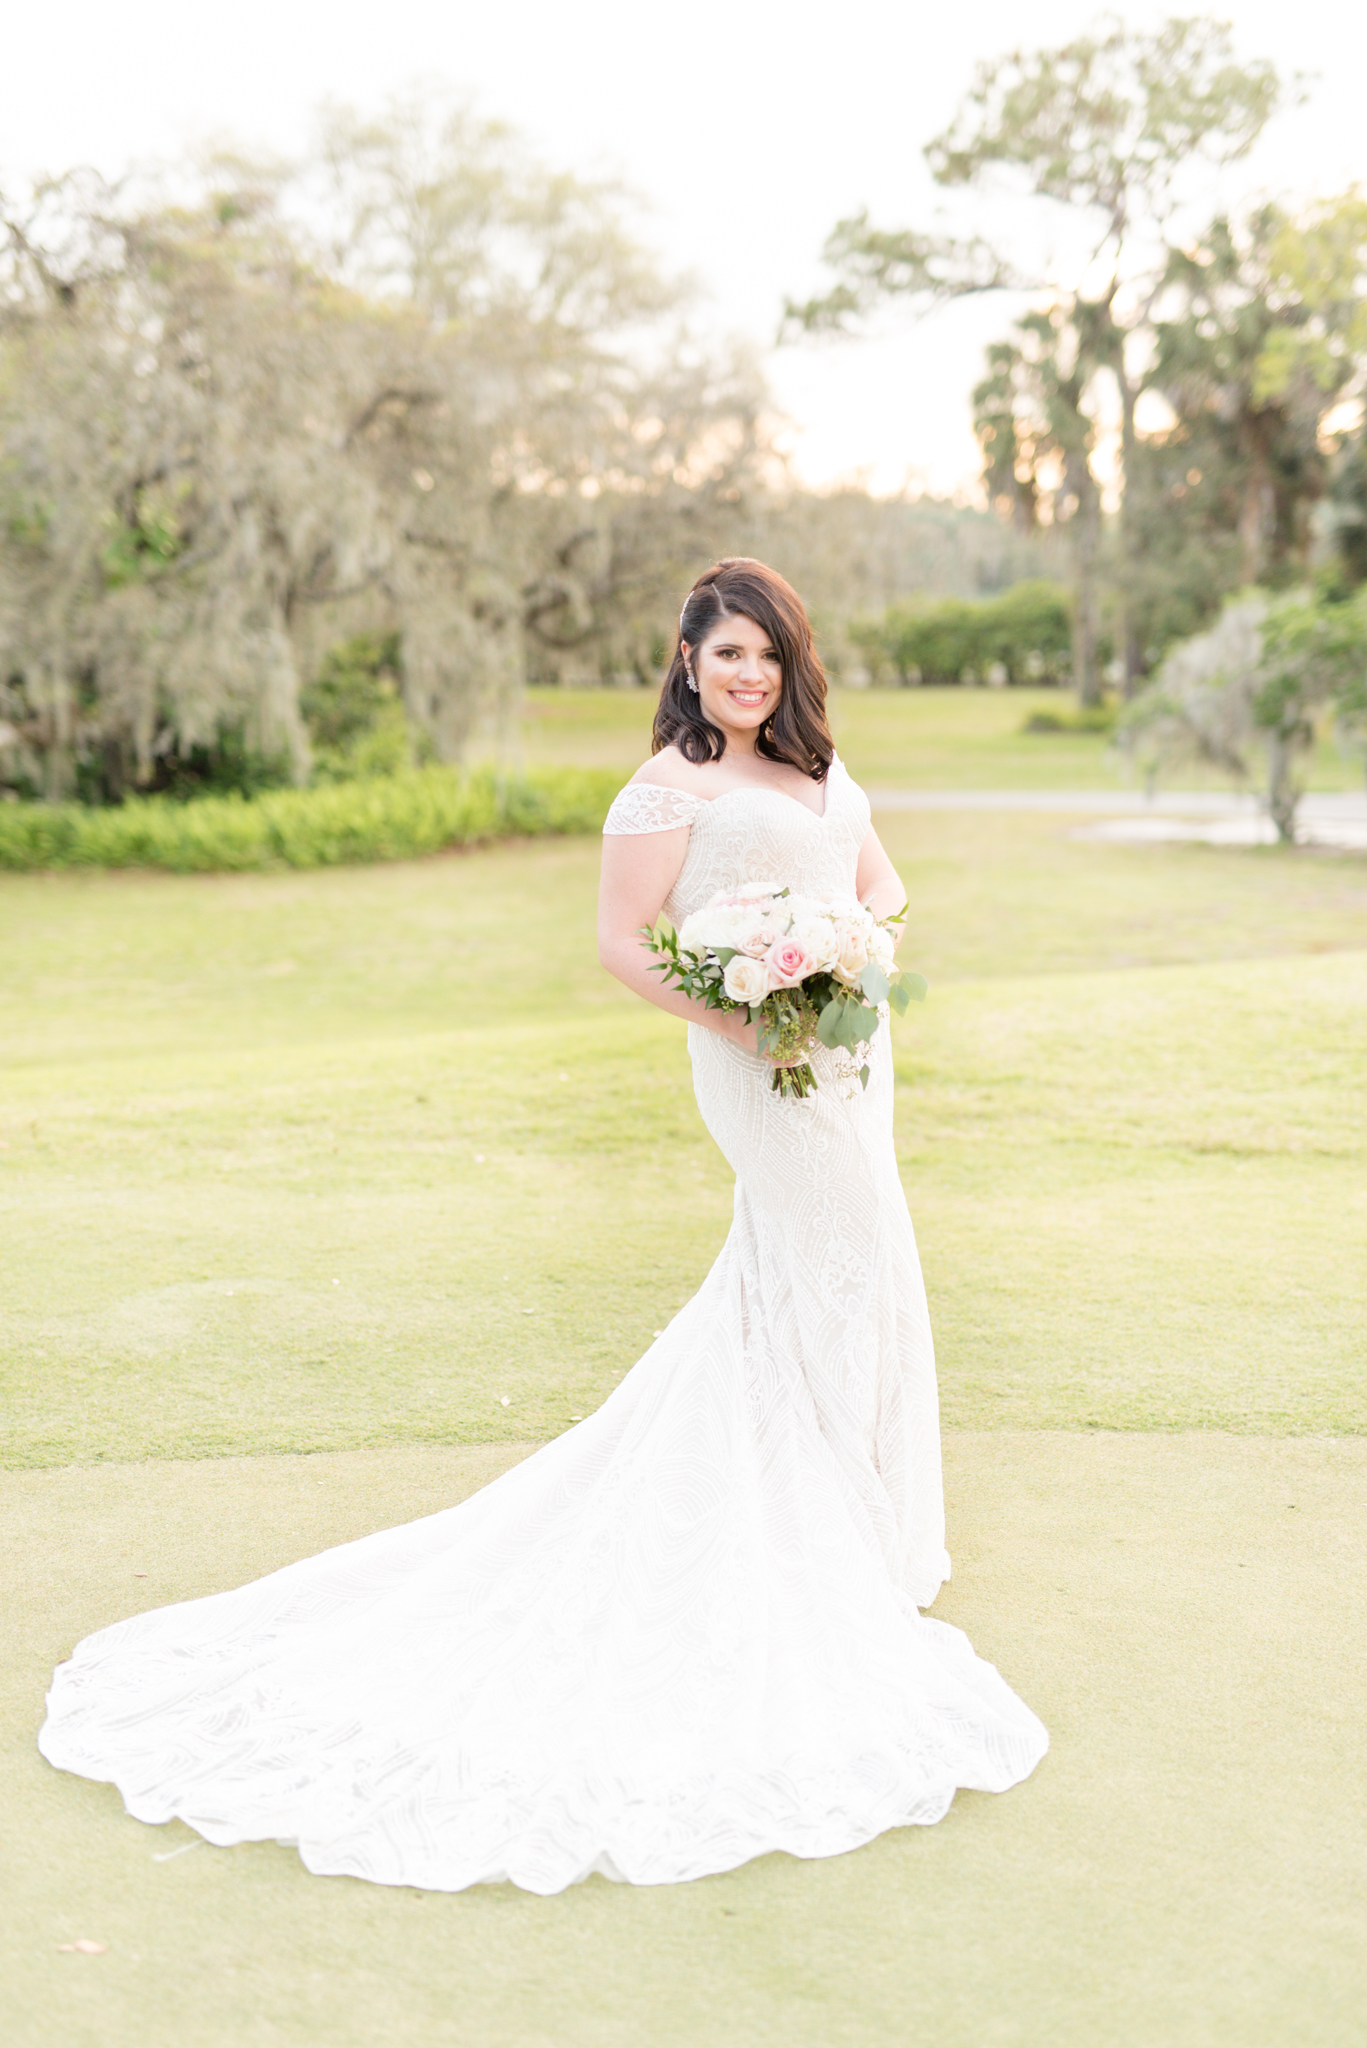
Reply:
x=688, y=678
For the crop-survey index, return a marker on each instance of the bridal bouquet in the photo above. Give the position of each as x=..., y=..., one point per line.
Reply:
x=806, y=969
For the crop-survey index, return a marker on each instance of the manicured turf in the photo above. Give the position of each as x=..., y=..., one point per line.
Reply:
x=336, y=1162
x=1184, y=1870
x=302, y=1162
x=898, y=739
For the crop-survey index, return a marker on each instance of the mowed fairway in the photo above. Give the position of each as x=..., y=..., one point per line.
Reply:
x=325, y=1196
x=380, y=1156
x=902, y=739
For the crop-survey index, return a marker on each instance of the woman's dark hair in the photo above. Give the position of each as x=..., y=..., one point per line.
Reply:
x=797, y=731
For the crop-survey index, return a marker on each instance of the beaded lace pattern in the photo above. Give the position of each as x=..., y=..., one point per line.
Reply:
x=650, y=807
x=681, y=1635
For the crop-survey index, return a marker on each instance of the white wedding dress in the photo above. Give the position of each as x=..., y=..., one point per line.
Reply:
x=683, y=1634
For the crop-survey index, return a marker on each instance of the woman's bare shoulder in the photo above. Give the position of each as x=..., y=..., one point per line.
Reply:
x=669, y=770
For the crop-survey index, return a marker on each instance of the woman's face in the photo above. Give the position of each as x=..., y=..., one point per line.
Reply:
x=738, y=673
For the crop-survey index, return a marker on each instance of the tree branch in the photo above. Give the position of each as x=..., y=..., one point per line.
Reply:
x=874, y=264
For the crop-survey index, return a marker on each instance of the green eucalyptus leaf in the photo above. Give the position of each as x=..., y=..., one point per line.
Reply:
x=828, y=1023
x=851, y=1031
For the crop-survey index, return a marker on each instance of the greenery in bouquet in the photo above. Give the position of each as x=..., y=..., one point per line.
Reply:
x=807, y=971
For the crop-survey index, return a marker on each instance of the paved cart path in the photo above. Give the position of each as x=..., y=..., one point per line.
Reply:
x=1129, y=817
x=1201, y=803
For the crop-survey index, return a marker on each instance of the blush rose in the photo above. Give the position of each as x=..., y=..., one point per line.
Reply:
x=788, y=962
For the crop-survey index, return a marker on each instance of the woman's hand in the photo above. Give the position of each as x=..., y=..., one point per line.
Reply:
x=638, y=873
x=736, y=1025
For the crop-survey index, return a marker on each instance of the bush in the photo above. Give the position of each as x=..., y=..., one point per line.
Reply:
x=1254, y=685
x=393, y=817
x=228, y=764
x=354, y=712
x=1089, y=719
x=1025, y=635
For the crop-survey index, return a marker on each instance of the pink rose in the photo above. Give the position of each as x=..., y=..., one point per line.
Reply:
x=788, y=962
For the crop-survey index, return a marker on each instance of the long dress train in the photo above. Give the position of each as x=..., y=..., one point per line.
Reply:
x=682, y=1634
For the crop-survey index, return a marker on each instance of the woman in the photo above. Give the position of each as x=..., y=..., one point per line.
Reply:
x=686, y=1632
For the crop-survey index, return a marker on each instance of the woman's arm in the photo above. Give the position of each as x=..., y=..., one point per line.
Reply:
x=876, y=881
x=639, y=870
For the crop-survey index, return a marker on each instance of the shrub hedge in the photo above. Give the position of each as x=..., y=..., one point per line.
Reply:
x=1025, y=634
x=392, y=817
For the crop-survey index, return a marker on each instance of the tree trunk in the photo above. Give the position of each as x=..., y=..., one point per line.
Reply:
x=1127, y=626
x=1253, y=510
x=1087, y=596
x=58, y=738
x=1282, y=793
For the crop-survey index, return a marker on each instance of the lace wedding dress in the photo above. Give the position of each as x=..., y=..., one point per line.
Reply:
x=681, y=1635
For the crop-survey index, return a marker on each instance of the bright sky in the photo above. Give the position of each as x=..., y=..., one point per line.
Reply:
x=749, y=127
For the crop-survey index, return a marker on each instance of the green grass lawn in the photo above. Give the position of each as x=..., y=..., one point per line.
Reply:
x=338, y=1163
x=304, y=1162
x=896, y=739
x=1184, y=1870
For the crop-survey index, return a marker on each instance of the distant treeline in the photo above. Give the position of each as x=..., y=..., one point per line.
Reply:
x=307, y=469
x=416, y=392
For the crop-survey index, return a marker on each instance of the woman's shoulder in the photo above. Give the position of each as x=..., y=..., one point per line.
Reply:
x=662, y=796
x=669, y=770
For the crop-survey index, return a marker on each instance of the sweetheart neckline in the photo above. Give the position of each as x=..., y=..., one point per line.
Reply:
x=750, y=789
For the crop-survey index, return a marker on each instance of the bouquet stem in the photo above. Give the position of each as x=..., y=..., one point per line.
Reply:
x=793, y=1082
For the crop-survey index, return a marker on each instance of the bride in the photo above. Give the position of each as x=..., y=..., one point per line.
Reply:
x=686, y=1632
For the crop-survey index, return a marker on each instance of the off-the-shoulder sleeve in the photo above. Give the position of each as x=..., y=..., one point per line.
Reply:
x=650, y=807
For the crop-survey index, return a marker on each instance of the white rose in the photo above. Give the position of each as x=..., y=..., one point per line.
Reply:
x=749, y=891
x=723, y=927
x=691, y=938
x=852, y=956
x=746, y=980
x=882, y=947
